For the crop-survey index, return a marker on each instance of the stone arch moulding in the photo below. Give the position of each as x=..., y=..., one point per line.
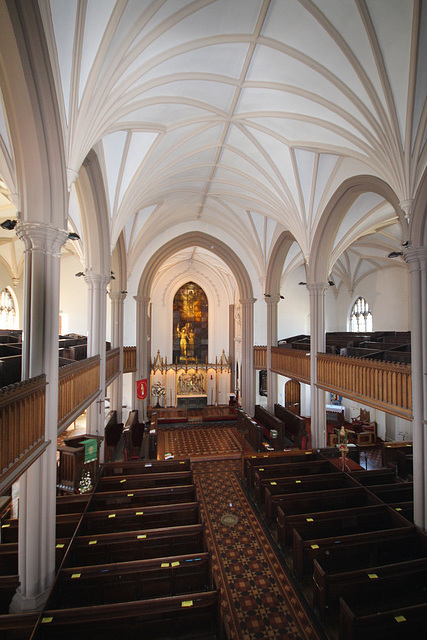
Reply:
x=418, y=223
x=275, y=264
x=206, y=242
x=334, y=213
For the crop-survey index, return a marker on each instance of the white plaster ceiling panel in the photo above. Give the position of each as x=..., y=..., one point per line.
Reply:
x=4, y=129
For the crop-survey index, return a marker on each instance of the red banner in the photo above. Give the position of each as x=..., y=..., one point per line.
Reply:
x=141, y=389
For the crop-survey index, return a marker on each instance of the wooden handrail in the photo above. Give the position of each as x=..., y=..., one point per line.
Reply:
x=129, y=359
x=112, y=365
x=386, y=386
x=292, y=363
x=260, y=357
x=22, y=426
x=78, y=386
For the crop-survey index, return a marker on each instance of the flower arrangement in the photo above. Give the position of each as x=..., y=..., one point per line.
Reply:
x=158, y=391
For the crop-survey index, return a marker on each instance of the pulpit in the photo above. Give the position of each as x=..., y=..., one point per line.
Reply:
x=78, y=464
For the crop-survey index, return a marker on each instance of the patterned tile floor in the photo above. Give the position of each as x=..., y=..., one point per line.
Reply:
x=200, y=440
x=258, y=599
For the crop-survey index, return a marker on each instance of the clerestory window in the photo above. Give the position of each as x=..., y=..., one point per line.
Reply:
x=361, y=316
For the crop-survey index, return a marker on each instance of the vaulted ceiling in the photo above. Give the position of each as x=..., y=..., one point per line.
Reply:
x=244, y=116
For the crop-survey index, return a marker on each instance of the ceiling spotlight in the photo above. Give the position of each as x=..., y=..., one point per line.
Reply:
x=395, y=254
x=9, y=224
x=123, y=291
x=330, y=283
x=267, y=295
x=73, y=236
x=79, y=274
x=406, y=243
x=282, y=297
x=302, y=283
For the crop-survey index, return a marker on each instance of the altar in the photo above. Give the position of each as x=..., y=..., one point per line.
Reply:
x=192, y=401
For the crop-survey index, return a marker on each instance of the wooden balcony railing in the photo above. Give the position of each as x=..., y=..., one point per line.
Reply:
x=260, y=357
x=292, y=363
x=22, y=427
x=129, y=359
x=385, y=386
x=112, y=365
x=78, y=387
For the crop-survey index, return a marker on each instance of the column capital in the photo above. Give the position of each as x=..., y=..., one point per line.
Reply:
x=317, y=287
x=247, y=301
x=145, y=299
x=44, y=238
x=117, y=296
x=272, y=299
x=415, y=256
x=96, y=280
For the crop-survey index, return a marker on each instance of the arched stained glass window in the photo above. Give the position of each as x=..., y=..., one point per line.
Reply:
x=7, y=310
x=361, y=316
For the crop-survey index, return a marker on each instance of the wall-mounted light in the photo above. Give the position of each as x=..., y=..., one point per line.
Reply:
x=395, y=254
x=79, y=274
x=302, y=283
x=73, y=236
x=330, y=283
x=9, y=224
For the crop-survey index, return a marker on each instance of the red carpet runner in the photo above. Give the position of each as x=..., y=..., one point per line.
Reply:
x=258, y=600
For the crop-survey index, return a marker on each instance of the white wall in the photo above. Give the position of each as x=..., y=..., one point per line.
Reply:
x=18, y=290
x=73, y=295
x=294, y=310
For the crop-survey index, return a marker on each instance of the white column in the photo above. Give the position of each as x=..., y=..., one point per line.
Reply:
x=117, y=303
x=247, y=382
x=37, y=497
x=142, y=351
x=417, y=260
x=316, y=292
x=97, y=332
x=231, y=351
x=272, y=302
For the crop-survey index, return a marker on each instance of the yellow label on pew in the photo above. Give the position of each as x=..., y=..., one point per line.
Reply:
x=314, y=546
x=297, y=481
x=139, y=513
x=76, y=575
x=121, y=481
x=112, y=515
x=45, y=620
x=93, y=541
x=253, y=456
x=141, y=537
x=372, y=575
x=60, y=545
x=307, y=453
x=260, y=469
x=310, y=520
x=5, y=526
x=130, y=495
x=400, y=618
x=164, y=565
x=187, y=603
x=182, y=462
x=273, y=483
x=175, y=564
x=398, y=508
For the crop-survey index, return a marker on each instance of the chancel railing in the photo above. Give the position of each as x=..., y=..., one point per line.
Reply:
x=382, y=385
x=78, y=387
x=260, y=357
x=22, y=427
x=292, y=363
x=129, y=359
x=112, y=365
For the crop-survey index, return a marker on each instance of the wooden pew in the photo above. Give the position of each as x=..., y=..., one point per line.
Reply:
x=294, y=426
x=252, y=431
x=127, y=581
x=329, y=586
x=403, y=616
x=72, y=503
x=398, y=492
x=273, y=493
x=17, y=626
x=389, y=451
x=252, y=463
x=304, y=549
x=374, y=476
x=271, y=473
x=113, y=432
x=139, y=467
x=270, y=422
x=154, y=517
x=135, y=545
x=313, y=502
x=65, y=526
x=145, y=480
x=142, y=497
x=194, y=615
x=132, y=436
x=8, y=586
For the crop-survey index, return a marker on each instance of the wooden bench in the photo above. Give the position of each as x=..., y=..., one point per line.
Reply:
x=8, y=586
x=305, y=550
x=294, y=426
x=145, y=480
x=135, y=545
x=269, y=423
x=252, y=431
x=374, y=476
x=127, y=581
x=389, y=451
x=113, y=432
x=329, y=586
x=143, y=497
x=252, y=463
x=17, y=626
x=313, y=502
x=139, y=467
x=404, y=616
x=153, y=517
x=65, y=526
x=274, y=472
x=302, y=485
x=72, y=503
x=132, y=436
x=398, y=492
x=194, y=615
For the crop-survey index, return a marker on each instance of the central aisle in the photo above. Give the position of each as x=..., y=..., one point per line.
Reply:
x=258, y=600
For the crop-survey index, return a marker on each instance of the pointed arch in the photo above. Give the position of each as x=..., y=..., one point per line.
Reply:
x=277, y=259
